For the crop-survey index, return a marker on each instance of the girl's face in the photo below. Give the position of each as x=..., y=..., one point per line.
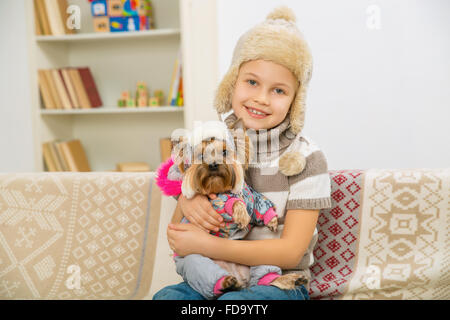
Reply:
x=263, y=94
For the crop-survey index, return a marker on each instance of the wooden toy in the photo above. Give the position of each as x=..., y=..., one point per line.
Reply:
x=101, y=24
x=132, y=23
x=118, y=24
x=115, y=8
x=141, y=92
x=125, y=95
x=130, y=8
x=160, y=95
x=144, y=7
x=153, y=102
x=142, y=102
x=99, y=8
x=131, y=103
x=121, y=103
x=144, y=23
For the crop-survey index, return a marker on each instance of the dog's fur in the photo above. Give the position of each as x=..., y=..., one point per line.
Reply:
x=219, y=171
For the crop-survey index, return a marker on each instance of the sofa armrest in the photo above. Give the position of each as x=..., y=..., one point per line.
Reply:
x=78, y=235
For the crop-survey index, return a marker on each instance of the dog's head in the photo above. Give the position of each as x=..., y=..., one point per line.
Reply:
x=212, y=159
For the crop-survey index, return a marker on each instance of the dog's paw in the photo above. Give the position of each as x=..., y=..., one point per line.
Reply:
x=289, y=281
x=240, y=214
x=230, y=283
x=273, y=224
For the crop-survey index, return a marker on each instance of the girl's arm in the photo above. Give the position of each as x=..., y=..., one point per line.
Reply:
x=285, y=252
x=177, y=214
x=200, y=212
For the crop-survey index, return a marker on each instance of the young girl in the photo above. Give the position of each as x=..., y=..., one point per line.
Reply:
x=266, y=87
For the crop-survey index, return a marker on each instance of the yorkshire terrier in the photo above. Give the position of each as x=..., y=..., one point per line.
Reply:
x=211, y=160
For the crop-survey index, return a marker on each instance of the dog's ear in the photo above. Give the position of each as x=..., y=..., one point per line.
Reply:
x=187, y=187
x=180, y=151
x=238, y=181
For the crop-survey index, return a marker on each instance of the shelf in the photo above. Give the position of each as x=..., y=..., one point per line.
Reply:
x=112, y=110
x=109, y=35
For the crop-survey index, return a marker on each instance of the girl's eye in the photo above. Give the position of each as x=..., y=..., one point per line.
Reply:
x=279, y=91
x=251, y=82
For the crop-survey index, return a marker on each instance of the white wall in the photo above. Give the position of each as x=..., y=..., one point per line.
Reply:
x=16, y=138
x=377, y=98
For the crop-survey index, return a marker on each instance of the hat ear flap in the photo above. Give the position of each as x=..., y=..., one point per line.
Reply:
x=224, y=94
x=297, y=112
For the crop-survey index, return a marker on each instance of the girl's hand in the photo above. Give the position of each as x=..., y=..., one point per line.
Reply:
x=186, y=238
x=199, y=211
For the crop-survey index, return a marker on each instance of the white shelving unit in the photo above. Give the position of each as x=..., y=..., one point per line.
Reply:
x=117, y=61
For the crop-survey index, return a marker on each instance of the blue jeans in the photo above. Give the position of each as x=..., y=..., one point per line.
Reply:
x=183, y=291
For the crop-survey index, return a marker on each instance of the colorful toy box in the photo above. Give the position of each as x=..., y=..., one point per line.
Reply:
x=122, y=15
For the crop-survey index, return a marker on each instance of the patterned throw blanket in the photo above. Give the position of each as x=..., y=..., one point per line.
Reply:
x=387, y=236
x=77, y=235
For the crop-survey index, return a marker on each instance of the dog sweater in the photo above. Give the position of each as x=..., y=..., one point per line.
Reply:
x=260, y=209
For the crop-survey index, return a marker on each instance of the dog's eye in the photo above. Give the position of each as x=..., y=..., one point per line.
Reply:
x=225, y=153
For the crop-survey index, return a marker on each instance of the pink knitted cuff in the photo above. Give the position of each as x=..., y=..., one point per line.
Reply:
x=268, y=278
x=269, y=215
x=229, y=205
x=218, y=286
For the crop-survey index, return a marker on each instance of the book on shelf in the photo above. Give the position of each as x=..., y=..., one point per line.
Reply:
x=68, y=88
x=132, y=167
x=91, y=89
x=65, y=156
x=51, y=17
x=175, y=97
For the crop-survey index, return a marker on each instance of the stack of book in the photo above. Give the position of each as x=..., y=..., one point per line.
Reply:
x=68, y=88
x=50, y=17
x=65, y=156
x=175, y=97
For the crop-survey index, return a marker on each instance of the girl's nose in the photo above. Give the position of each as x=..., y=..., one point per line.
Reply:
x=261, y=97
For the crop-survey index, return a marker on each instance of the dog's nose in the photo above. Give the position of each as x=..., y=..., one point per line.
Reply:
x=213, y=166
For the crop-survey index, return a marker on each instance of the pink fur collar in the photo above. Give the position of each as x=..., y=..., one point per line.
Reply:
x=168, y=187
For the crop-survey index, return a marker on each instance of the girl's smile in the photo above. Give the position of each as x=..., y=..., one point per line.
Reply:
x=256, y=113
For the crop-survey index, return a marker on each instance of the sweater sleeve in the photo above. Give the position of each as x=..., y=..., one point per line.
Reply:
x=311, y=188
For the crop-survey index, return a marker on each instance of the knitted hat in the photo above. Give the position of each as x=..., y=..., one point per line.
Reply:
x=277, y=39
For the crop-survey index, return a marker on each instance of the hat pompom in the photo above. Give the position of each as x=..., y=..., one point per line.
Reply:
x=282, y=12
x=291, y=163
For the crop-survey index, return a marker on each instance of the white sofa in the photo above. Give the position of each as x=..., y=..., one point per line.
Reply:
x=103, y=236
